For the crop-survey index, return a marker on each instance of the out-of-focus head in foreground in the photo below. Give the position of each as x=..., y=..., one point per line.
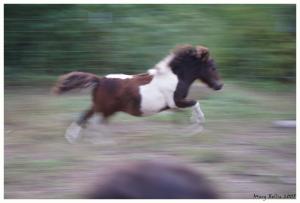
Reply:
x=153, y=180
x=196, y=63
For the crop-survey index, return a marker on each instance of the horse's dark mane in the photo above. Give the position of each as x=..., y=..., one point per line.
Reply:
x=182, y=49
x=199, y=52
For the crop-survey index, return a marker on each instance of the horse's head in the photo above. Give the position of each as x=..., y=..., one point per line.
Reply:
x=191, y=63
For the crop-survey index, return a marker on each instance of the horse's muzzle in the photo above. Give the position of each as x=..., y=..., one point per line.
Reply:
x=217, y=86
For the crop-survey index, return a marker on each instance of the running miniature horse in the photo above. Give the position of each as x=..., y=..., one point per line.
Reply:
x=163, y=87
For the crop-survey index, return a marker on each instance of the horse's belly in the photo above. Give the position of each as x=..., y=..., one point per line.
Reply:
x=152, y=101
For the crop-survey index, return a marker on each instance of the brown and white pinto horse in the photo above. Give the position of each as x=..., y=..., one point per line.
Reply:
x=165, y=86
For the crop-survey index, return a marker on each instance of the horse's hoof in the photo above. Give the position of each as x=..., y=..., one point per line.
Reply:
x=73, y=133
x=201, y=120
x=197, y=120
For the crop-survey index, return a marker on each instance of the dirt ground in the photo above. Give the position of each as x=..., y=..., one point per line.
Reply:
x=240, y=149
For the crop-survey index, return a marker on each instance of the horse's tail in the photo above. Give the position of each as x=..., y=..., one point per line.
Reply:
x=75, y=80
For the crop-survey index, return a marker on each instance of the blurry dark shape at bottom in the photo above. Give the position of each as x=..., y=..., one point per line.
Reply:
x=153, y=180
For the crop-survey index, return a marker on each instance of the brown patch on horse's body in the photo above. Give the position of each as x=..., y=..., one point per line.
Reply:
x=114, y=94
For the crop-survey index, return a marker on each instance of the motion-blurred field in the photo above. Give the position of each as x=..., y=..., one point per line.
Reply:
x=240, y=149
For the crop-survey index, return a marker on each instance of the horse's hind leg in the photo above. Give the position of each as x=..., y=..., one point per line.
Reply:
x=73, y=131
x=84, y=117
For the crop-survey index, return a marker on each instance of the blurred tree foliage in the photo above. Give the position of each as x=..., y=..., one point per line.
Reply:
x=247, y=41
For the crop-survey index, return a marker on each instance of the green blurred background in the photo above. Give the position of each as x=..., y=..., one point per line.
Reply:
x=245, y=148
x=247, y=41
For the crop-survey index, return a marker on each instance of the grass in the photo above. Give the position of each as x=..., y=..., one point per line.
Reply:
x=265, y=86
x=203, y=155
x=238, y=139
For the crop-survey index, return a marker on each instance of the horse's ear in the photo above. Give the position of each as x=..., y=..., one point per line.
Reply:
x=202, y=53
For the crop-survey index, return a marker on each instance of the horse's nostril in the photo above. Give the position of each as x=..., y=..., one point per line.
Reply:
x=218, y=86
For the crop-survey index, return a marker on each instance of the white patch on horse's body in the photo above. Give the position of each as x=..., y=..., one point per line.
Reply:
x=119, y=76
x=152, y=71
x=159, y=93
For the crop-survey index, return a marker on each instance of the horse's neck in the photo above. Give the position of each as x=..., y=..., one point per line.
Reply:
x=163, y=68
x=185, y=79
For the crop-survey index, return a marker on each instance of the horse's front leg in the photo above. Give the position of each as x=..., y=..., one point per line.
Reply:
x=198, y=115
